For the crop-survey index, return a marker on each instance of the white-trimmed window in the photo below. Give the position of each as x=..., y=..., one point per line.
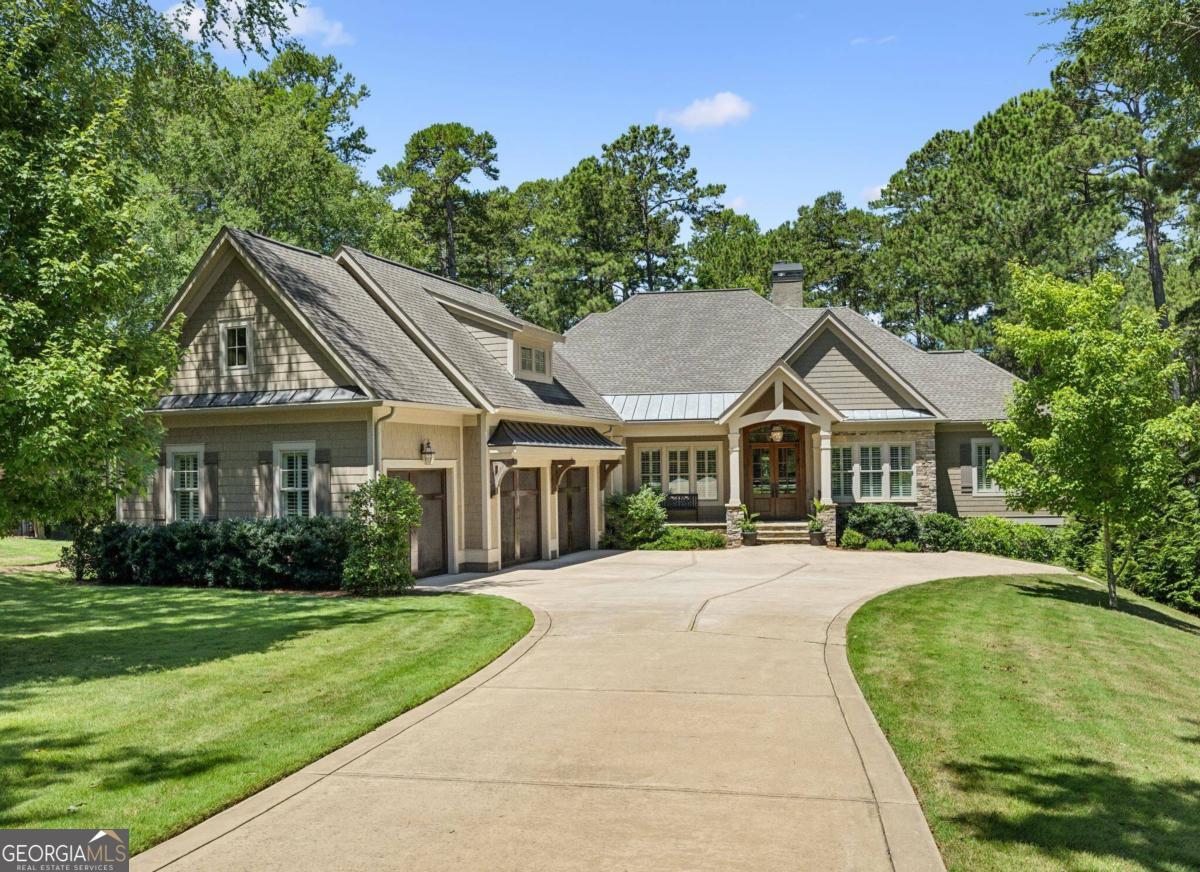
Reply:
x=870, y=476
x=679, y=476
x=707, y=487
x=293, y=479
x=984, y=452
x=842, y=467
x=681, y=469
x=533, y=360
x=900, y=471
x=650, y=468
x=184, y=463
x=237, y=351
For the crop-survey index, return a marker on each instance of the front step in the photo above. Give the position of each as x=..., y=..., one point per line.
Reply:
x=783, y=532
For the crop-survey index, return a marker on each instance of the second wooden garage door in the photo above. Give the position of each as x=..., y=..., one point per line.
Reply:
x=431, y=535
x=573, y=534
x=520, y=516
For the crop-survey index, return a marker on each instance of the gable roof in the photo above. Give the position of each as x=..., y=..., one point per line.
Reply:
x=697, y=342
x=415, y=294
x=681, y=342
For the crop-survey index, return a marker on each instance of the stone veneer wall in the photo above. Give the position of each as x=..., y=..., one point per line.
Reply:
x=924, y=459
x=733, y=526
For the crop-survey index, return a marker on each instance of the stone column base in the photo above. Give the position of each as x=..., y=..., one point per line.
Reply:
x=828, y=518
x=733, y=526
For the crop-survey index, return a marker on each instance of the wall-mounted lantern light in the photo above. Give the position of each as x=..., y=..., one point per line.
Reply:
x=427, y=453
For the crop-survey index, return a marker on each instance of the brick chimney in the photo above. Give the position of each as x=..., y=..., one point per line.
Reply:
x=787, y=285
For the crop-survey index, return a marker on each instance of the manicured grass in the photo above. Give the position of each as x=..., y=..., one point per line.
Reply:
x=19, y=551
x=152, y=708
x=1040, y=730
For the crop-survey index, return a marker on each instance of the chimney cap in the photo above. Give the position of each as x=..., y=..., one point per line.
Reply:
x=787, y=270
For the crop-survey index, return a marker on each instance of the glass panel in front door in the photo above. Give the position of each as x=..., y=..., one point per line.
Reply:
x=760, y=477
x=787, y=471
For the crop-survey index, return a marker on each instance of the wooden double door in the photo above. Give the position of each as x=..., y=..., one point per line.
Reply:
x=775, y=474
x=429, y=543
x=520, y=516
x=573, y=511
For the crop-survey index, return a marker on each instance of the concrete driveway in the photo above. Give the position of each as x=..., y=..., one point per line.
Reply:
x=668, y=711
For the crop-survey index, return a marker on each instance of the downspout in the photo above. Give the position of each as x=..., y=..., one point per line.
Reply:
x=377, y=442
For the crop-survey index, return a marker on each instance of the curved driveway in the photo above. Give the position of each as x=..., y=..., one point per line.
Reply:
x=668, y=711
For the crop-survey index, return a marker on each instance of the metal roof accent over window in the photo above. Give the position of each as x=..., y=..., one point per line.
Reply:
x=259, y=398
x=885, y=414
x=522, y=433
x=671, y=407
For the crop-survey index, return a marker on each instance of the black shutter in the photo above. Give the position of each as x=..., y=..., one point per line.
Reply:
x=966, y=468
x=321, y=483
x=158, y=495
x=265, y=495
x=211, y=484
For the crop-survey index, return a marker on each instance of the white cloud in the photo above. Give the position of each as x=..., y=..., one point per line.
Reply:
x=873, y=40
x=306, y=22
x=715, y=111
x=737, y=204
x=311, y=21
x=871, y=193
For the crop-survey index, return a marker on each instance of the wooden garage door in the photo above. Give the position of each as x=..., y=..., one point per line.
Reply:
x=430, y=541
x=520, y=516
x=573, y=512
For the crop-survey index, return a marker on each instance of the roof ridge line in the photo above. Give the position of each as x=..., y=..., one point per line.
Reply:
x=424, y=272
x=279, y=242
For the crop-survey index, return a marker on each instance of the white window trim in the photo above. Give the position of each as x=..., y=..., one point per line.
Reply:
x=278, y=448
x=691, y=448
x=532, y=368
x=885, y=450
x=225, y=327
x=198, y=450
x=852, y=472
x=976, y=490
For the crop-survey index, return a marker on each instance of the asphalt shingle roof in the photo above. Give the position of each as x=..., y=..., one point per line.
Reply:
x=412, y=292
x=347, y=317
x=717, y=341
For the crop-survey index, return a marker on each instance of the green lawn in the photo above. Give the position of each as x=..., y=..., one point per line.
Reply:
x=152, y=708
x=1040, y=730
x=19, y=551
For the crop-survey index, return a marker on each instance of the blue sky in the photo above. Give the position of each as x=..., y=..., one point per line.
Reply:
x=787, y=100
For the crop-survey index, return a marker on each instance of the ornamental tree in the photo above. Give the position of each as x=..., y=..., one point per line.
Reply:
x=1095, y=432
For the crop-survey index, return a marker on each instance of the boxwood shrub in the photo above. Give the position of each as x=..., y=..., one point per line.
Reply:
x=992, y=535
x=940, y=532
x=685, y=539
x=252, y=554
x=853, y=540
x=886, y=521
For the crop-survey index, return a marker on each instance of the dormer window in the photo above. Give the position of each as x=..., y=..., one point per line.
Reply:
x=533, y=360
x=235, y=347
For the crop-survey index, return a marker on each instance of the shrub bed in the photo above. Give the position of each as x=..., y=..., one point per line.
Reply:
x=940, y=532
x=685, y=539
x=259, y=554
x=885, y=521
x=879, y=545
x=853, y=540
x=992, y=535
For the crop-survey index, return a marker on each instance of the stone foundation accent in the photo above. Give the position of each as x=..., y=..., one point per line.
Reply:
x=924, y=459
x=733, y=526
x=829, y=521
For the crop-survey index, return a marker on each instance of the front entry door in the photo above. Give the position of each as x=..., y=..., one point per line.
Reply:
x=775, y=481
x=573, y=514
x=430, y=539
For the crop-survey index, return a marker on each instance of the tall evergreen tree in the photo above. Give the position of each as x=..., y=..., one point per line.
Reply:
x=438, y=161
x=728, y=251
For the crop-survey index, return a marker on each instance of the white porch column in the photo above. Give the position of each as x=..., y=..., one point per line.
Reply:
x=734, y=470
x=826, y=464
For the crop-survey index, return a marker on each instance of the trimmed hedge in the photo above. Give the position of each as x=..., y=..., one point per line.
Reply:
x=941, y=532
x=884, y=521
x=991, y=535
x=685, y=539
x=289, y=553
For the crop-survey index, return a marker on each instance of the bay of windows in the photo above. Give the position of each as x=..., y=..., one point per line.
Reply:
x=883, y=471
x=682, y=469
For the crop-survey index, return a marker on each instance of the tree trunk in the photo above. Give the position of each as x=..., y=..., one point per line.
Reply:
x=1154, y=261
x=1113, y=602
x=451, y=252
